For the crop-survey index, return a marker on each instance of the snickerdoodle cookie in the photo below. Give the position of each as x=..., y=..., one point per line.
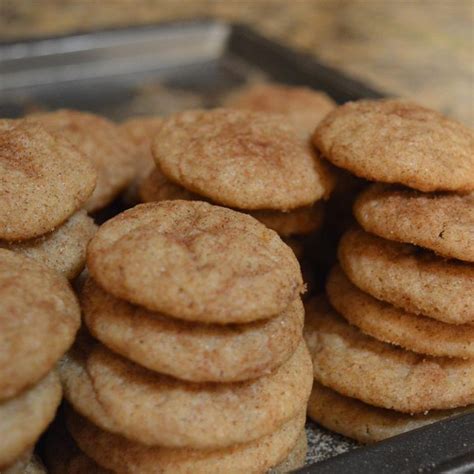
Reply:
x=195, y=261
x=142, y=131
x=394, y=141
x=63, y=249
x=365, y=423
x=390, y=324
x=39, y=317
x=442, y=222
x=301, y=221
x=103, y=142
x=409, y=277
x=44, y=179
x=303, y=107
x=25, y=417
x=194, y=352
x=121, y=455
x=241, y=159
x=156, y=409
x=380, y=374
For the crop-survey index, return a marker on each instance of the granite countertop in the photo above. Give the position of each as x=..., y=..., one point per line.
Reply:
x=421, y=49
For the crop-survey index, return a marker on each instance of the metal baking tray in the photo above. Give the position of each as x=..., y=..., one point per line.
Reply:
x=160, y=69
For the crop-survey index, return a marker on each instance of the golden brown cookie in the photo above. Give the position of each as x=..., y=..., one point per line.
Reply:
x=154, y=409
x=408, y=277
x=25, y=417
x=395, y=141
x=63, y=249
x=119, y=454
x=303, y=107
x=44, y=180
x=380, y=374
x=103, y=142
x=194, y=352
x=393, y=325
x=241, y=159
x=195, y=261
x=296, y=459
x=141, y=131
x=39, y=317
x=362, y=422
x=442, y=222
x=300, y=221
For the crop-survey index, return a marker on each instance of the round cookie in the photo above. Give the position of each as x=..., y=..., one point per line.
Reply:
x=119, y=454
x=141, y=131
x=390, y=324
x=44, y=180
x=241, y=159
x=187, y=351
x=102, y=141
x=409, y=278
x=39, y=317
x=154, y=409
x=25, y=417
x=64, y=249
x=362, y=422
x=195, y=261
x=303, y=107
x=380, y=374
x=296, y=459
x=443, y=223
x=300, y=221
x=394, y=141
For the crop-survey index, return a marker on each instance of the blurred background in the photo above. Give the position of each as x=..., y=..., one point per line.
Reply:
x=422, y=49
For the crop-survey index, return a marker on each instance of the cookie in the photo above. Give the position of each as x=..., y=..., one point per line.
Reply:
x=362, y=422
x=380, y=374
x=44, y=180
x=300, y=221
x=195, y=261
x=303, y=107
x=103, y=142
x=155, y=409
x=394, y=141
x=408, y=277
x=39, y=317
x=241, y=159
x=296, y=459
x=121, y=455
x=64, y=249
x=194, y=352
x=141, y=131
x=25, y=417
x=442, y=222
x=395, y=326
x=78, y=388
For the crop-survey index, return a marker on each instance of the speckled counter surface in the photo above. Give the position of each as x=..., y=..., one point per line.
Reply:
x=423, y=49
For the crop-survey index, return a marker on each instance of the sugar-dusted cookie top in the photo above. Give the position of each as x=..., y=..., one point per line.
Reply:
x=195, y=261
x=241, y=159
x=109, y=149
x=442, y=222
x=39, y=317
x=395, y=141
x=302, y=106
x=44, y=179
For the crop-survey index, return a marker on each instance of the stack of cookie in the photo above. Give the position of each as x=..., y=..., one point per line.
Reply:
x=45, y=182
x=405, y=285
x=251, y=161
x=39, y=317
x=109, y=150
x=201, y=365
